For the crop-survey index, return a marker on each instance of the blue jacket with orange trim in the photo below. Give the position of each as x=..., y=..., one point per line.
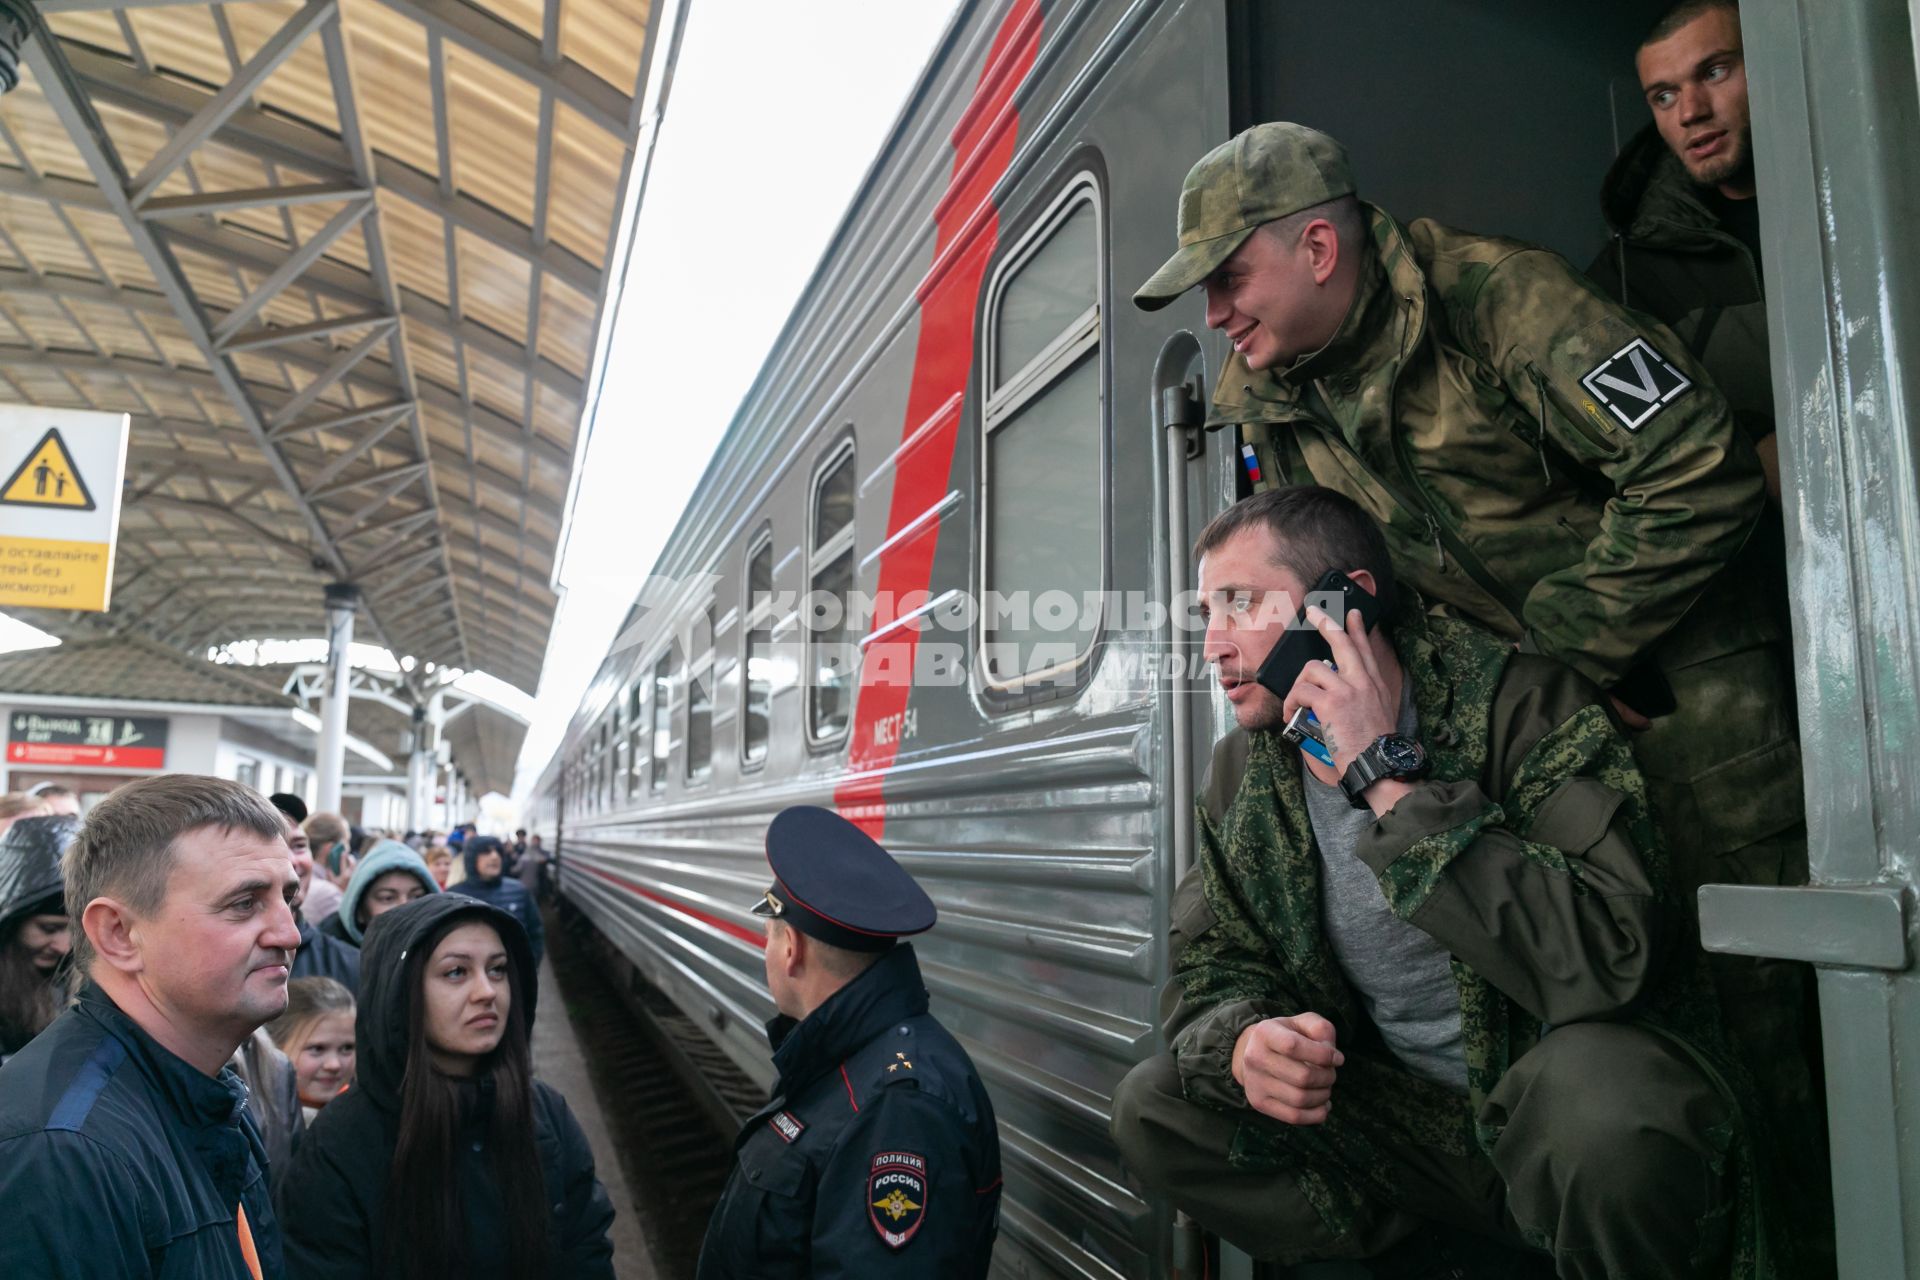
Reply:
x=120, y=1161
x=878, y=1155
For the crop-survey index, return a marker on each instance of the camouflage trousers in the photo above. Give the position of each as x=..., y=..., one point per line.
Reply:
x=1723, y=775
x=1612, y=1159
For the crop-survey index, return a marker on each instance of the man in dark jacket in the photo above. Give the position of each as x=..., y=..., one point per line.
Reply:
x=878, y=1155
x=125, y=1145
x=1439, y=971
x=1686, y=249
x=321, y=955
x=487, y=880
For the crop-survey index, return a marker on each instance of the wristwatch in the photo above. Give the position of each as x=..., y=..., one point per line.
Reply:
x=1391, y=756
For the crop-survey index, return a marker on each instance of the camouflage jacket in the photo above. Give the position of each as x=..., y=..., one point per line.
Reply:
x=1543, y=461
x=1528, y=852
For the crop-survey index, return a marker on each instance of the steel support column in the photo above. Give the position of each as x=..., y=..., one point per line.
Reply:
x=330, y=767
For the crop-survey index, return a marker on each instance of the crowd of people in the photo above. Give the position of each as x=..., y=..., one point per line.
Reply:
x=204, y=1073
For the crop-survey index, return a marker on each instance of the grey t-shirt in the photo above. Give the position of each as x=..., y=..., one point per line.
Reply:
x=1401, y=973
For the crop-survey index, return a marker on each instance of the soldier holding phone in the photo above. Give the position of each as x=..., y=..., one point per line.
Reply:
x=1443, y=979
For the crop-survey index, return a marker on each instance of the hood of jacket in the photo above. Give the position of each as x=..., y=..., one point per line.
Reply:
x=1648, y=198
x=470, y=854
x=380, y=1022
x=388, y=855
x=30, y=855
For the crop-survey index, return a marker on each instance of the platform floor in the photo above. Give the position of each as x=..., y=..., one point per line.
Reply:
x=557, y=1059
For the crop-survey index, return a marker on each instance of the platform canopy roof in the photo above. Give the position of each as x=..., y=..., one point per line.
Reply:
x=345, y=263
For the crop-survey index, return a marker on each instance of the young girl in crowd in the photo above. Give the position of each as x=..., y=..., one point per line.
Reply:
x=316, y=1032
x=446, y=1157
x=34, y=934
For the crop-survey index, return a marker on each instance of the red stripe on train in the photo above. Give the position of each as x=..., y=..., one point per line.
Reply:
x=727, y=927
x=968, y=226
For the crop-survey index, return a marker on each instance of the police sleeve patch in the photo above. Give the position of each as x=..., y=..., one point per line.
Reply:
x=897, y=1196
x=788, y=1126
x=1635, y=383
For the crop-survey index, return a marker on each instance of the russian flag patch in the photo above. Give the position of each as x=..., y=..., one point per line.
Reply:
x=1253, y=462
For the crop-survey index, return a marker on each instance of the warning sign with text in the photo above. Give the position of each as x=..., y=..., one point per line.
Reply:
x=60, y=474
x=81, y=737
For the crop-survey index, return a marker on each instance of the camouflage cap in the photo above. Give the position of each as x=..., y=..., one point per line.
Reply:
x=1267, y=172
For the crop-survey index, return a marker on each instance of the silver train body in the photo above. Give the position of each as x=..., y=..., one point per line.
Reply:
x=964, y=402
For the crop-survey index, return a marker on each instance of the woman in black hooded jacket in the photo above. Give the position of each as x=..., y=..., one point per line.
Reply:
x=445, y=1157
x=34, y=931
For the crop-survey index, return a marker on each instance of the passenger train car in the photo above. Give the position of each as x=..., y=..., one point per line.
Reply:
x=964, y=406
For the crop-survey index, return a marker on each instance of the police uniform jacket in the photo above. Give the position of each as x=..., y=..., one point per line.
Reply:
x=120, y=1160
x=878, y=1154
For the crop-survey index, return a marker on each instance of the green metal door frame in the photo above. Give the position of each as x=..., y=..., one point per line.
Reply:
x=1836, y=125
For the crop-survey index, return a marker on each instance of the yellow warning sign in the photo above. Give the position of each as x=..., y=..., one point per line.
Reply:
x=45, y=573
x=48, y=478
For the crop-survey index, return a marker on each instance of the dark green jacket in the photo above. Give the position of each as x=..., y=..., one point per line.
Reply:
x=1528, y=852
x=1671, y=258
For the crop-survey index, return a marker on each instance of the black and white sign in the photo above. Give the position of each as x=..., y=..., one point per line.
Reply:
x=1635, y=383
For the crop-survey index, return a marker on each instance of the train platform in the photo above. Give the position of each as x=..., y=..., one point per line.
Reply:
x=559, y=1060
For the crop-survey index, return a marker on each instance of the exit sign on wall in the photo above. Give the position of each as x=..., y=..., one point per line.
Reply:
x=75, y=737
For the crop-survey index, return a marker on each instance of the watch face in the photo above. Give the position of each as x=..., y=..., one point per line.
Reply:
x=1402, y=755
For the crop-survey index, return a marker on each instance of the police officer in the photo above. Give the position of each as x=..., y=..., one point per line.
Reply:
x=1544, y=462
x=878, y=1154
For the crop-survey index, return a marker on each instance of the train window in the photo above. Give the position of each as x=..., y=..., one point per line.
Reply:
x=700, y=700
x=662, y=719
x=824, y=613
x=636, y=694
x=1052, y=293
x=1042, y=536
x=617, y=779
x=756, y=656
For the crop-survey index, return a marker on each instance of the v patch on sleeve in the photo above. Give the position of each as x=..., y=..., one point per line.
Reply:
x=897, y=1196
x=1635, y=383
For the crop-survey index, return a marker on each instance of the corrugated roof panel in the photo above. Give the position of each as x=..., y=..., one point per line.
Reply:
x=39, y=234
x=606, y=39
x=585, y=185
x=566, y=326
x=495, y=118
x=390, y=61
x=493, y=287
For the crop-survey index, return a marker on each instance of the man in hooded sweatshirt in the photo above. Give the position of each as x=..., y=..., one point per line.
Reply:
x=488, y=881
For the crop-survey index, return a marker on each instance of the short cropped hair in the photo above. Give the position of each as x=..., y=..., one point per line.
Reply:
x=325, y=829
x=1316, y=529
x=1682, y=13
x=127, y=846
x=1345, y=212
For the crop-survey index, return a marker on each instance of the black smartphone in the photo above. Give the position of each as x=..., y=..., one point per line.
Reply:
x=1337, y=595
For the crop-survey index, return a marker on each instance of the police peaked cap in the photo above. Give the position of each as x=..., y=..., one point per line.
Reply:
x=833, y=882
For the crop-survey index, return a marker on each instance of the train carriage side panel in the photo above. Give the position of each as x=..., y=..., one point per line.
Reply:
x=1036, y=813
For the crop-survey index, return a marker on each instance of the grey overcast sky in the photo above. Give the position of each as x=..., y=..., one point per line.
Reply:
x=777, y=110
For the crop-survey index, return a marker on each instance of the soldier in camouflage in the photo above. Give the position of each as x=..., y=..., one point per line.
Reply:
x=1545, y=463
x=1539, y=1061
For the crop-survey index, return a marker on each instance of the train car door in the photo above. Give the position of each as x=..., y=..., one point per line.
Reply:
x=1836, y=120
